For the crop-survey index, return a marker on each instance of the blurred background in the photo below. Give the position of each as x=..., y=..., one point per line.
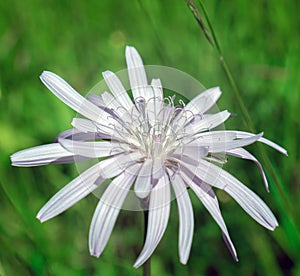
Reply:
x=78, y=40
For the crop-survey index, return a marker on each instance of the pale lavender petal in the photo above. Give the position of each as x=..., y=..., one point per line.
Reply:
x=108, y=210
x=117, y=89
x=93, y=149
x=211, y=137
x=143, y=186
x=77, y=189
x=222, y=146
x=165, y=115
x=106, y=132
x=110, y=101
x=155, y=100
x=136, y=73
x=243, y=134
x=117, y=108
x=217, y=136
x=119, y=163
x=77, y=135
x=112, y=104
x=273, y=145
x=159, y=211
x=84, y=125
x=210, y=202
x=242, y=153
x=157, y=87
x=40, y=155
x=107, y=103
x=249, y=201
x=95, y=99
x=207, y=123
x=197, y=151
x=73, y=99
x=204, y=101
x=157, y=170
x=181, y=118
x=186, y=218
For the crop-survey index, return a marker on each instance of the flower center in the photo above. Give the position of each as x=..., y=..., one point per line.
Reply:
x=153, y=124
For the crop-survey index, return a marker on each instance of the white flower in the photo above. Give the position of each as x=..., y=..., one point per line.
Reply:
x=152, y=145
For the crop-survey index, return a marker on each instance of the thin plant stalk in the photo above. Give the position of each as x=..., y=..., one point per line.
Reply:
x=147, y=264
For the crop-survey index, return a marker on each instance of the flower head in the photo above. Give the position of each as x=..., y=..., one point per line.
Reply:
x=152, y=145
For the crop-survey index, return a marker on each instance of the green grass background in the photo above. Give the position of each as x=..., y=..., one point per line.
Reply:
x=80, y=39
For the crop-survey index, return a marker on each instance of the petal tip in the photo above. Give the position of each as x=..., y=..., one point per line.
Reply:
x=128, y=48
x=142, y=194
x=40, y=218
x=12, y=158
x=131, y=52
x=137, y=264
x=95, y=254
x=183, y=260
x=218, y=90
x=272, y=226
x=276, y=225
x=106, y=73
x=45, y=74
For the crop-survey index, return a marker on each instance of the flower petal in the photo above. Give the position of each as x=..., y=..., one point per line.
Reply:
x=155, y=102
x=95, y=99
x=191, y=149
x=77, y=135
x=77, y=189
x=222, y=146
x=103, y=132
x=73, y=99
x=117, y=108
x=109, y=101
x=109, y=104
x=42, y=155
x=119, y=163
x=157, y=88
x=143, y=186
x=207, y=123
x=211, y=137
x=210, y=202
x=242, y=153
x=204, y=101
x=186, y=218
x=249, y=201
x=85, y=125
x=108, y=210
x=117, y=89
x=93, y=149
x=243, y=134
x=159, y=211
x=136, y=72
x=158, y=170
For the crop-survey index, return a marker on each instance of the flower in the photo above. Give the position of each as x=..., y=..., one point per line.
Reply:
x=151, y=144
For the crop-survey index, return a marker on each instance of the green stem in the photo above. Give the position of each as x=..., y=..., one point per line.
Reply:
x=246, y=115
x=194, y=10
x=147, y=264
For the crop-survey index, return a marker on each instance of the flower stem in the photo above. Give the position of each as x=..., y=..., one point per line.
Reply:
x=147, y=264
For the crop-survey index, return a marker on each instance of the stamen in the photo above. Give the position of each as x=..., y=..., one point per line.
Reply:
x=181, y=102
